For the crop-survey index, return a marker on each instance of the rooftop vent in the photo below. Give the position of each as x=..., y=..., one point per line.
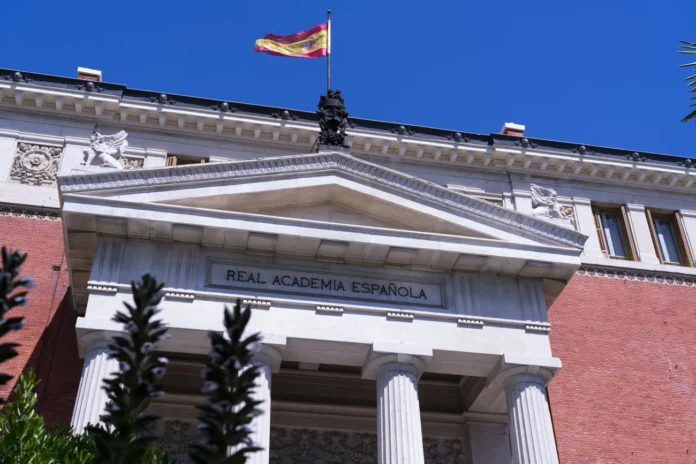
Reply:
x=510, y=128
x=89, y=74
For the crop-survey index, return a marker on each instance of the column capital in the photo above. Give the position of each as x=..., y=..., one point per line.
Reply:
x=268, y=355
x=510, y=367
x=385, y=356
x=94, y=339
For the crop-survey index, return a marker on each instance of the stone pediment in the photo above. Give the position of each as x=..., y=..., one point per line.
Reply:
x=325, y=207
x=324, y=187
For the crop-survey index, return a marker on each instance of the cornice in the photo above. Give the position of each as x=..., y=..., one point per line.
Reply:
x=314, y=163
x=214, y=118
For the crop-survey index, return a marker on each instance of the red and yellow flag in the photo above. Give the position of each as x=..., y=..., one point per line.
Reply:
x=312, y=43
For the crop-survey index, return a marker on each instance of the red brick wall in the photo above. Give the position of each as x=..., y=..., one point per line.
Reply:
x=627, y=390
x=48, y=343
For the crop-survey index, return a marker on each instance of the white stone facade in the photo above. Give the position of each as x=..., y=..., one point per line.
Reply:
x=401, y=287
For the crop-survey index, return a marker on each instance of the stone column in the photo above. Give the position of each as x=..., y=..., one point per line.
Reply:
x=531, y=431
x=268, y=361
x=399, y=434
x=91, y=397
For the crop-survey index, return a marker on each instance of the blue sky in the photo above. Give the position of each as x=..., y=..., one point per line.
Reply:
x=599, y=72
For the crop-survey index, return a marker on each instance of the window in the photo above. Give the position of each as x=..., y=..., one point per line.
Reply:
x=669, y=238
x=614, y=233
x=178, y=160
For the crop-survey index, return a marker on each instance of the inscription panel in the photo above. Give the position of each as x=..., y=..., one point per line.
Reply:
x=291, y=280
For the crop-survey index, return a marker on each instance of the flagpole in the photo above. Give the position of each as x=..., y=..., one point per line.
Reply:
x=328, y=53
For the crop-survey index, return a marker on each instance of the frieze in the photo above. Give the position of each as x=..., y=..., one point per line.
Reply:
x=324, y=161
x=309, y=446
x=28, y=213
x=295, y=446
x=338, y=285
x=637, y=276
x=35, y=164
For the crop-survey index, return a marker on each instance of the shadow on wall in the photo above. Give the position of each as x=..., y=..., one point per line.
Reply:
x=57, y=364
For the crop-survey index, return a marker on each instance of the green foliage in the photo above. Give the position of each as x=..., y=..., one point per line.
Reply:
x=126, y=438
x=229, y=410
x=23, y=435
x=689, y=48
x=9, y=283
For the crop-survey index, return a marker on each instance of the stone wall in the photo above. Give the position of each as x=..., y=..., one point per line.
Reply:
x=47, y=341
x=627, y=390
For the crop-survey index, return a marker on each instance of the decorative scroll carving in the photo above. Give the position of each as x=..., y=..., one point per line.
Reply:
x=35, y=164
x=333, y=119
x=295, y=446
x=106, y=149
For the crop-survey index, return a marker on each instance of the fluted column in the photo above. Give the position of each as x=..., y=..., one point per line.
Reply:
x=91, y=397
x=531, y=431
x=267, y=359
x=399, y=435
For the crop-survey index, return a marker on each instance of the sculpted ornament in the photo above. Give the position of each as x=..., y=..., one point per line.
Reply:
x=35, y=164
x=545, y=205
x=106, y=149
x=295, y=446
x=333, y=119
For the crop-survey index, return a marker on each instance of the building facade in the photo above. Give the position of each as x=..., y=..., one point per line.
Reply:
x=424, y=295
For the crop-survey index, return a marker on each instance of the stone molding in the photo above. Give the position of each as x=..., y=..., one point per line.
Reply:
x=30, y=213
x=637, y=276
x=501, y=151
x=414, y=365
x=324, y=162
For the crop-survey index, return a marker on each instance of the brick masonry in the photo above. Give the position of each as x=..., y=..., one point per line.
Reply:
x=47, y=341
x=627, y=390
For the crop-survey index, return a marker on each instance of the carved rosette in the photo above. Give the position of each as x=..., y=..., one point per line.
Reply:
x=131, y=163
x=35, y=164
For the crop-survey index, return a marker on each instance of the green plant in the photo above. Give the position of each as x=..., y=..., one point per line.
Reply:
x=689, y=48
x=126, y=438
x=24, y=438
x=229, y=381
x=9, y=283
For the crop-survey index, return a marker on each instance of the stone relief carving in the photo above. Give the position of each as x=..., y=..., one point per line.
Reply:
x=306, y=446
x=106, y=149
x=35, y=164
x=294, y=446
x=176, y=438
x=131, y=163
x=545, y=205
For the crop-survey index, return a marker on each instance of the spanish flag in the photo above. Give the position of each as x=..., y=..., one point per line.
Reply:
x=312, y=43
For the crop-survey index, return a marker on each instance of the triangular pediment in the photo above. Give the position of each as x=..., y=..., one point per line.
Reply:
x=330, y=188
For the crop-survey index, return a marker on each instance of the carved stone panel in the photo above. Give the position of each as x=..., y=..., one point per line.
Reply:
x=306, y=446
x=295, y=446
x=35, y=164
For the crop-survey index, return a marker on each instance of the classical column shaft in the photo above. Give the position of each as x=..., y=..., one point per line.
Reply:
x=399, y=435
x=91, y=397
x=261, y=425
x=531, y=431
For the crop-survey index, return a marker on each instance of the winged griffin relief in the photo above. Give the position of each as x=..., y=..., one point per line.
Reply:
x=545, y=205
x=107, y=150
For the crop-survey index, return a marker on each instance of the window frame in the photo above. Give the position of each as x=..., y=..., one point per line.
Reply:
x=625, y=229
x=678, y=230
x=179, y=160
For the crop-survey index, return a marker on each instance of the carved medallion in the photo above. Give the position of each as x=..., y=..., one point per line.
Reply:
x=35, y=164
x=131, y=163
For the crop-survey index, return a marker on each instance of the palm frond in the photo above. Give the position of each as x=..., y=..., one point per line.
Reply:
x=689, y=48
